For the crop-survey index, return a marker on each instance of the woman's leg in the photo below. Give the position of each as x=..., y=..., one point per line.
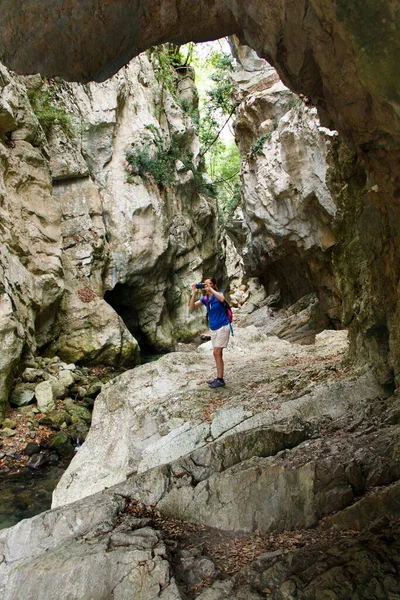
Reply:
x=219, y=361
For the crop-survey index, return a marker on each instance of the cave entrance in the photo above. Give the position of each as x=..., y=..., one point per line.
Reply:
x=122, y=299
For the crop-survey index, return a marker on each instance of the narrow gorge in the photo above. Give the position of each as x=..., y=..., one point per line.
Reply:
x=118, y=190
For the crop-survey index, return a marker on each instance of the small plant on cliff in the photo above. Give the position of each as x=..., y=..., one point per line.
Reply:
x=47, y=105
x=258, y=145
x=156, y=162
x=153, y=160
x=164, y=59
x=170, y=66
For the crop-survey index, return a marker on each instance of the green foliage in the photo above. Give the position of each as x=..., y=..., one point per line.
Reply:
x=170, y=66
x=218, y=103
x=165, y=59
x=234, y=201
x=295, y=102
x=222, y=158
x=156, y=162
x=47, y=104
x=220, y=94
x=258, y=145
x=153, y=161
x=207, y=188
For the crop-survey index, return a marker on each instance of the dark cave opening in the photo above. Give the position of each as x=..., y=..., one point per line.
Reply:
x=123, y=300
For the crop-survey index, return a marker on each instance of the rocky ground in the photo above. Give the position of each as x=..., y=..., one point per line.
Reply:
x=282, y=485
x=50, y=413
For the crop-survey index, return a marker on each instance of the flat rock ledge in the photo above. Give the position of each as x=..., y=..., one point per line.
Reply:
x=159, y=412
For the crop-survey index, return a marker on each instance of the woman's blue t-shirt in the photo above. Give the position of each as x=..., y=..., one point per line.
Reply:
x=217, y=316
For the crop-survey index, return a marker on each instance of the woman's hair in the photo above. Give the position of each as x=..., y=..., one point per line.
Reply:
x=213, y=281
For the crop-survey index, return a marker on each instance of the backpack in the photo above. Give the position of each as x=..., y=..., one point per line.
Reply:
x=228, y=311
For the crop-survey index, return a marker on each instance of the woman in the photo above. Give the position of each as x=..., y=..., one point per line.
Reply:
x=218, y=321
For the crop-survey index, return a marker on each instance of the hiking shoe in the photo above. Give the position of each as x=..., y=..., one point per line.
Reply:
x=211, y=381
x=217, y=383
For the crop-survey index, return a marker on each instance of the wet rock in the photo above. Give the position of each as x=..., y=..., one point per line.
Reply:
x=78, y=433
x=56, y=419
x=22, y=395
x=31, y=449
x=45, y=397
x=93, y=390
x=61, y=443
x=31, y=375
x=79, y=414
x=36, y=461
x=88, y=402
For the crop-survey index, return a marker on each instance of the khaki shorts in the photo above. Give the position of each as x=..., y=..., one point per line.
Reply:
x=220, y=337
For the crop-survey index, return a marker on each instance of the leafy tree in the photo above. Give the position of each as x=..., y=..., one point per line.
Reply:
x=222, y=157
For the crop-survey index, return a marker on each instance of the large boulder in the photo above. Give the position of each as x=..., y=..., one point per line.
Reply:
x=162, y=411
x=45, y=397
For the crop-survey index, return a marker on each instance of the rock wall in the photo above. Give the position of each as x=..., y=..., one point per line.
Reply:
x=287, y=206
x=342, y=55
x=79, y=225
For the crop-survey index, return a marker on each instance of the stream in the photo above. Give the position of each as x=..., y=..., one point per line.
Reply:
x=26, y=494
x=29, y=492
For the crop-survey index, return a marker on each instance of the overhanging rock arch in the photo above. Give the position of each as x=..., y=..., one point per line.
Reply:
x=343, y=54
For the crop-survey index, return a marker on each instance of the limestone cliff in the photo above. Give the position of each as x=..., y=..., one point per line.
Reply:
x=84, y=217
x=287, y=206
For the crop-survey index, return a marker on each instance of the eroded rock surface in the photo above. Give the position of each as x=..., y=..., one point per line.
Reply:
x=287, y=205
x=163, y=411
x=80, y=223
x=87, y=553
x=271, y=456
x=342, y=56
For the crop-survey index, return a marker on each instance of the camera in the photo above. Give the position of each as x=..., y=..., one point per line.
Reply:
x=200, y=286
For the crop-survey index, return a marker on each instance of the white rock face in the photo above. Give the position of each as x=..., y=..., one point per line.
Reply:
x=288, y=207
x=77, y=225
x=30, y=250
x=137, y=419
x=45, y=397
